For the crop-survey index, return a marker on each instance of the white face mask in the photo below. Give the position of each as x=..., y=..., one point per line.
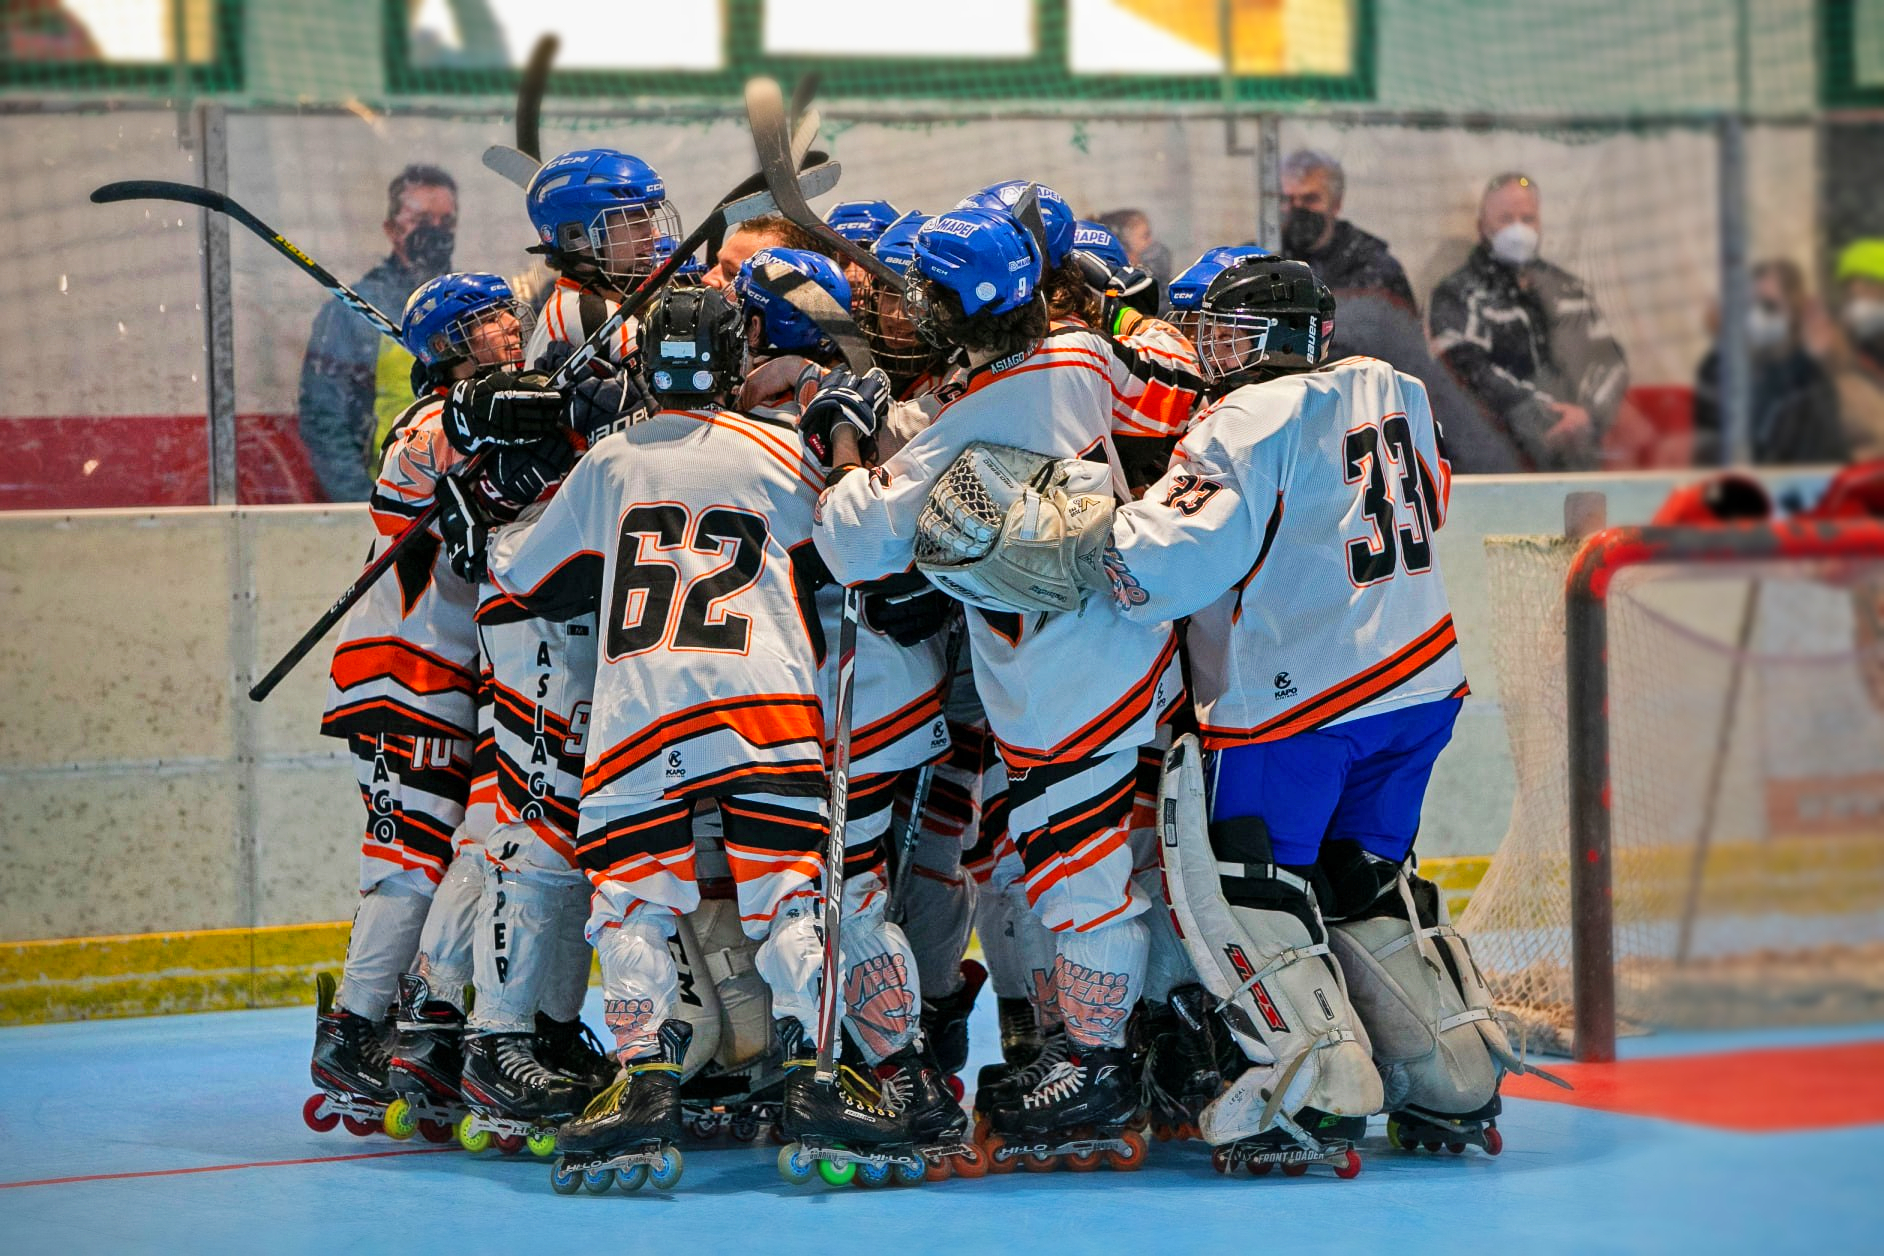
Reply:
x=1515, y=243
x=1864, y=316
x=1767, y=328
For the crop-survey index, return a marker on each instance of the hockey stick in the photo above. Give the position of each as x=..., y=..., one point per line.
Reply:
x=831, y=997
x=566, y=374
x=765, y=114
x=189, y=194
x=811, y=300
x=925, y=778
x=530, y=91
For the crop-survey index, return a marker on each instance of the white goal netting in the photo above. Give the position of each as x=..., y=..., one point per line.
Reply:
x=1746, y=735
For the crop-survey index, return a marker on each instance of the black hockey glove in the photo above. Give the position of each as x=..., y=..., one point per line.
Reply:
x=906, y=608
x=517, y=475
x=465, y=527
x=501, y=408
x=858, y=401
x=1128, y=288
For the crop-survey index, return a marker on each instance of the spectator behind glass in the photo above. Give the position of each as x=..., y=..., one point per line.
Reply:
x=1795, y=406
x=1525, y=338
x=1142, y=249
x=1851, y=348
x=1343, y=256
x=354, y=381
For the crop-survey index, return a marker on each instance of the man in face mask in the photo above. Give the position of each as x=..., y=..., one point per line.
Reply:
x=1524, y=338
x=1342, y=256
x=1795, y=407
x=1853, y=349
x=355, y=382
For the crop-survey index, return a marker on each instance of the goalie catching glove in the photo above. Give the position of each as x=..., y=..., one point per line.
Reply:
x=1007, y=529
x=502, y=408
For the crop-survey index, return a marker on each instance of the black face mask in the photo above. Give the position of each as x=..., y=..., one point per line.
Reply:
x=428, y=248
x=1301, y=231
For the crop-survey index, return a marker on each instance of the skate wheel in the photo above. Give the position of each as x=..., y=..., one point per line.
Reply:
x=795, y=1165
x=509, y=1144
x=1085, y=1161
x=319, y=1122
x=1431, y=1144
x=632, y=1178
x=908, y=1175
x=1134, y=1154
x=776, y=1132
x=399, y=1121
x=1457, y=1149
x=542, y=1143
x=1396, y=1136
x=1220, y=1160
x=1038, y=1162
x=981, y=1131
x=745, y=1128
x=1294, y=1170
x=358, y=1127
x=1260, y=1168
x=837, y=1174
x=991, y=1147
x=1494, y=1141
x=874, y=1174
x=598, y=1181
x=1352, y=1168
x=955, y=1087
x=436, y=1131
x=564, y=1180
x=471, y=1137
x=970, y=1163
x=702, y=1127
x=666, y=1174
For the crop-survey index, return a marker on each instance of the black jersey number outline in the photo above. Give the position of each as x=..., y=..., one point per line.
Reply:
x=642, y=611
x=1393, y=546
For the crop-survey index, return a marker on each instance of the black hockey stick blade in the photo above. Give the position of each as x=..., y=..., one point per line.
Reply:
x=765, y=113
x=511, y=163
x=530, y=91
x=190, y=194
x=814, y=160
x=1027, y=213
x=806, y=296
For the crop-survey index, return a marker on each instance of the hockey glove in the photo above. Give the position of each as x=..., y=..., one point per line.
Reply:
x=516, y=475
x=906, y=609
x=501, y=408
x=465, y=527
x=857, y=401
x=1128, y=288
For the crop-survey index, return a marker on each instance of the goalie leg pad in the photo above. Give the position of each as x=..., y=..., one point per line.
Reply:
x=729, y=961
x=1255, y=935
x=567, y=983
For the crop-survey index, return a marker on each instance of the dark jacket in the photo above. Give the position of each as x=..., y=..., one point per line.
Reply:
x=340, y=383
x=1795, y=412
x=1355, y=261
x=1518, y=340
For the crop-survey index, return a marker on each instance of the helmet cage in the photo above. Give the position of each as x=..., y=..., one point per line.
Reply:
x=493, y=335
x=1235, y=345
x=629, y=242
x=896, y=341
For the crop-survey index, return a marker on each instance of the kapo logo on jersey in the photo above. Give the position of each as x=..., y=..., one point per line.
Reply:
x=1285, y=686
x=674, y=765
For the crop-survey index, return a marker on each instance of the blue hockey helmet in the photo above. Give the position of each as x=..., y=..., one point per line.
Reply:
x=607, y=207
x=465, y=315
x=1097, y=239
x=786, y=328
x=1055, y=214
x=861, y=221
x=1185, y=295
x=896, y=246
x=983, y=256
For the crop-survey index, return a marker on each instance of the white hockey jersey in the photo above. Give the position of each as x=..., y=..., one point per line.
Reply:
x=1056, y=687
x=706, y=681
x=570, y=316
x=1153, y=370
x=407, y=661
x=1295, y=527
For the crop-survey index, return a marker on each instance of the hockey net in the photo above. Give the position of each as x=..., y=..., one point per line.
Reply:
x=1745, y=730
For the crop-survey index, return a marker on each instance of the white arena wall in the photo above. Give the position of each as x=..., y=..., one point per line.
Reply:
x=141, y=792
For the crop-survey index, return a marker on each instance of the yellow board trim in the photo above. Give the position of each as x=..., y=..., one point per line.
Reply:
x=214, y=970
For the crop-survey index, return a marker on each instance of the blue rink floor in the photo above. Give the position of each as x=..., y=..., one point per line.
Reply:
x=191, y=1128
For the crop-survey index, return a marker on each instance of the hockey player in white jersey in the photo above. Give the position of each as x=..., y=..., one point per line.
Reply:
x=1070, y=698
x=402, y=690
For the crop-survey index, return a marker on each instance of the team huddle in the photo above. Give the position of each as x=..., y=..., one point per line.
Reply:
x=1117, y=640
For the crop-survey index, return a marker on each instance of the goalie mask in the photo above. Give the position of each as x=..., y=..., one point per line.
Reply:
x=693, y=348
x=1261, y=317
x=606, y=209
x=465, y=315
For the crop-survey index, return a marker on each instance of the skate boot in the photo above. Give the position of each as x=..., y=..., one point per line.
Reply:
x=1081, y=1110
x=626, y=1135
x=945, y=1025
x=426, y=1057
x=1021, y=1040
x=572, y=1049
x=349, y=1067
x=515, y=1100
x=1182, y=1074
x=1002, y=1086
x=842, y=1130
x=1292, y=1140
x=1411, y=1128
x=916, y=1088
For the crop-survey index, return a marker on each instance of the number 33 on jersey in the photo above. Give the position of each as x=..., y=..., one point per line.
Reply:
x=1295, y=527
